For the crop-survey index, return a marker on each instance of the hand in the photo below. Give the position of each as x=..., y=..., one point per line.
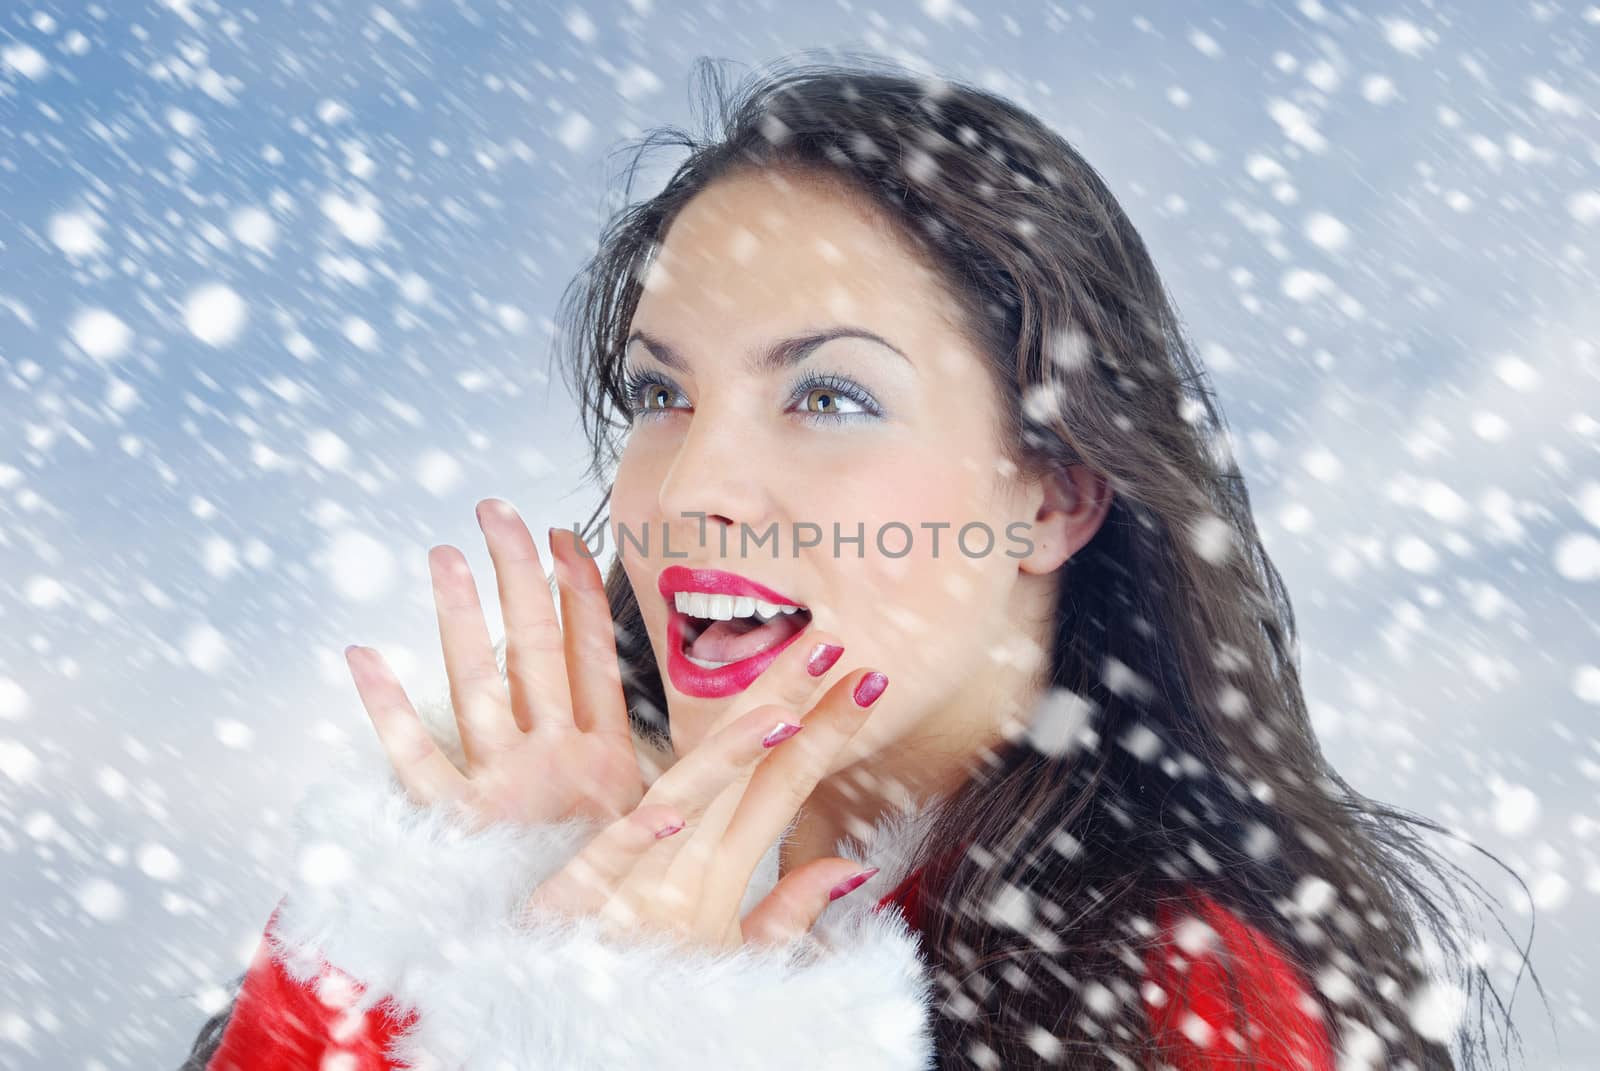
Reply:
x=735, y=797
x=551, y=740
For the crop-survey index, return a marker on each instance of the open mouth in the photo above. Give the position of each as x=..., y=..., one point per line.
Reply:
x=724, y=630
x=721, y=630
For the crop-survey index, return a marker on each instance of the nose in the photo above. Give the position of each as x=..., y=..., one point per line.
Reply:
x=717, y=471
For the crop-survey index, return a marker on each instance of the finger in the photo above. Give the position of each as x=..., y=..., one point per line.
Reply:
x=799, y=671
x=790, y=911
x=724, y=758
x=595, y=673
x=536, y=668
x=476, y=691
x=594, y=875
x=780, y=785
x=705, y=786
x=803, y=667
x=427, y=773
x=689, y=861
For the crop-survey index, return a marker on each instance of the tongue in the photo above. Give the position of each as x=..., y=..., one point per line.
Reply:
x=741, y=637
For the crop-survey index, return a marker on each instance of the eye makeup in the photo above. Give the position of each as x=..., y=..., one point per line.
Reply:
x=641, y=387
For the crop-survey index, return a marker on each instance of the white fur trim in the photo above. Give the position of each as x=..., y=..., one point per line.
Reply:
x=558, y=995
x=382, y=884
x=888, y=844
x=408, y=902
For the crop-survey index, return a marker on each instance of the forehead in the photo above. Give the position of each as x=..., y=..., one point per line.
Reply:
x=777, y=250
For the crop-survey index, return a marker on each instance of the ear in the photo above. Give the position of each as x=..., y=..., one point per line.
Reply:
x=1072, y=502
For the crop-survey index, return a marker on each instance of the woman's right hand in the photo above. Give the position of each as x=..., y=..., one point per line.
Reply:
x=551, y=740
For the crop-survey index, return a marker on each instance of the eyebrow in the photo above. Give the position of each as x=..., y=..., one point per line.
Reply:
x=779, y=355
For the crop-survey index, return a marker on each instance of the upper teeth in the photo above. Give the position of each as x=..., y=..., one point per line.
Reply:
x=726, y=607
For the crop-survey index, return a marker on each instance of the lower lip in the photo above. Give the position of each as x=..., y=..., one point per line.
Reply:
x=704, y=683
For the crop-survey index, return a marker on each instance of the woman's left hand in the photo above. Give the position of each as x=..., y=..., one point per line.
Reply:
x=735, y=798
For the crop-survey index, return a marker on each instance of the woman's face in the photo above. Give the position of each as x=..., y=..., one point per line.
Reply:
x=852, y=434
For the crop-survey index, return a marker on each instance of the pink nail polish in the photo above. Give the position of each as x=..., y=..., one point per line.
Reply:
x=849, y=884
x=668, y=830
x=780, y=732
x=871, y=686
x=823, y=658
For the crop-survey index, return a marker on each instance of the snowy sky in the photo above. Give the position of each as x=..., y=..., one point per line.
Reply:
x=275, y=287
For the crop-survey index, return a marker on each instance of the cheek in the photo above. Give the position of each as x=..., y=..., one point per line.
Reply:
x=925, y=599
x=632, y=504
x=629, y=485
x=927, y=527
x=635, y=499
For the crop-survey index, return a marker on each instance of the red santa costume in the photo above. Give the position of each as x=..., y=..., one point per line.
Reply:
x=403, y=941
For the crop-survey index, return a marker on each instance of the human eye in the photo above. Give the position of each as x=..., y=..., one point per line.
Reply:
x=647, y=393
x=824, y=398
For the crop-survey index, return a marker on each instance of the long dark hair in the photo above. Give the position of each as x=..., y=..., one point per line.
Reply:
x=1190, y=760
x=1183, y=757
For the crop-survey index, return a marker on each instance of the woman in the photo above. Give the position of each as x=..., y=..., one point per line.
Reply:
x=914, y=458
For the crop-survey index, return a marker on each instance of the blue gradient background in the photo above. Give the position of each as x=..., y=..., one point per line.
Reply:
x=190, y=533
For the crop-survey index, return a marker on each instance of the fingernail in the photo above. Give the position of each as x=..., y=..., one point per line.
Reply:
x=780, y=732
x=352, y=647
x=849, y=884
x=822, y=658
x=871, y=686
x=668, y=830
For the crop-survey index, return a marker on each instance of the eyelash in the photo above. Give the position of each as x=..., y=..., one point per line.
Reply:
x=635, y=383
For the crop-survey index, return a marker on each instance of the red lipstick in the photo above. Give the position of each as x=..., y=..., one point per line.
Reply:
x=735, y=677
